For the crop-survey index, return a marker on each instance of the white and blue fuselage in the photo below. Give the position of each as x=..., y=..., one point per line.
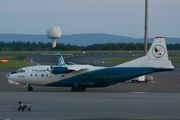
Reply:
x=80, y=77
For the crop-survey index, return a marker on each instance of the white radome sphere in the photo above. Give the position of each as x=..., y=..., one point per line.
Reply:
x=54, y=32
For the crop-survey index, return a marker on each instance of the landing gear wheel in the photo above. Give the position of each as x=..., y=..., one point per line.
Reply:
x=74, y=88
x=80, y=89
x=30, y=88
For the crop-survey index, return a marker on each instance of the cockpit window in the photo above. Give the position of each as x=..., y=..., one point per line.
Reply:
x=13, y=72
x=20, y=71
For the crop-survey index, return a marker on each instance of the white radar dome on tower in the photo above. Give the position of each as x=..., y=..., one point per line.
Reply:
x=54, y=33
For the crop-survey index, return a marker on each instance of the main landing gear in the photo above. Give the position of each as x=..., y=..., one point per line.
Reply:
x=80, y=88
x=29, y=88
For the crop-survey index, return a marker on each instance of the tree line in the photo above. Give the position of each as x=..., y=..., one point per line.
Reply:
x=41, y=46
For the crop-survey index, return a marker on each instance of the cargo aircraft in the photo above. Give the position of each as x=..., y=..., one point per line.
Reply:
x=80, y=77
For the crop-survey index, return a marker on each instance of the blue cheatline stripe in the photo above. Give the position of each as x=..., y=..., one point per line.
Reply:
x=105, y=77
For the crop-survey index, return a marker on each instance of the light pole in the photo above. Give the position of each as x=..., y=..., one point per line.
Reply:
x=146, y=28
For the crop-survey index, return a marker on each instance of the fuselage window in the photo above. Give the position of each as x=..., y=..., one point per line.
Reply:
x=46, y=75
x=36, y=75
x=31, y=74
x=42, y=75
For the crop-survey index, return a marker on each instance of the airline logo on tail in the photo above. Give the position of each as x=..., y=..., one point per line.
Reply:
x=158, y=51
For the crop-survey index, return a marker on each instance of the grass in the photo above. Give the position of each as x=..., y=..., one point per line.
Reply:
x=175, y=58
x=67, y=52
x=119, y=59
x=20, y=61
x=14, y=62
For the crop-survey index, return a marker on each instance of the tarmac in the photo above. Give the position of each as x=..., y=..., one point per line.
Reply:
x=158, y=99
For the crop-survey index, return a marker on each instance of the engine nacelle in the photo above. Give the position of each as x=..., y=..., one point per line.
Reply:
x=59, y=70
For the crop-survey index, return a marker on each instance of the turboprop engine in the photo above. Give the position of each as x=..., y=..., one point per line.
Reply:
x=59, y=70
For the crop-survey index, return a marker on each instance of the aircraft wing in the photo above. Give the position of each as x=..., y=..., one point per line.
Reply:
x=78, y=67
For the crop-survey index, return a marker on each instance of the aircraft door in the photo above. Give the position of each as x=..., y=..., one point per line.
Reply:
x=98, y=78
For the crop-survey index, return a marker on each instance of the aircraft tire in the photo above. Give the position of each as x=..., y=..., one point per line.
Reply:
x=74, y=88
x=30, y=88
x=80, y=89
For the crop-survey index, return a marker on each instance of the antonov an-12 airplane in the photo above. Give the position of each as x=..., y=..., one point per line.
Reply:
x=80, y=77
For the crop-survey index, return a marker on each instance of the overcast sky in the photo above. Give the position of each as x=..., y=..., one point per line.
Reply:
x=118, y=17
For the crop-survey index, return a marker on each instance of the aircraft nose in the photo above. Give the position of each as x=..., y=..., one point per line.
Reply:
x=7, y=76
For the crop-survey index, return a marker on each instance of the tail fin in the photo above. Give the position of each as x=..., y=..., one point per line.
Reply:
x=158, y=50
x=61, y=61
x=157, y=57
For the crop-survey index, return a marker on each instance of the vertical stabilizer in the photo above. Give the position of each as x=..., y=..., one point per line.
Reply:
x=158, y=49
x=60, y=60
